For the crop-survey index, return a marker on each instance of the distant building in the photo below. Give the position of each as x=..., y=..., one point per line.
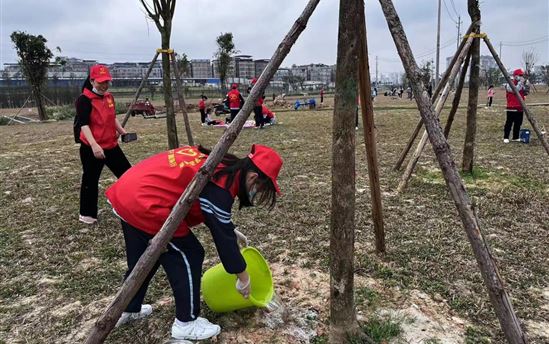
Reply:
x=201, y=68
x=282, y=74
x=260, y=65
x=314, y=72
x=135, y=70
x=245, y=67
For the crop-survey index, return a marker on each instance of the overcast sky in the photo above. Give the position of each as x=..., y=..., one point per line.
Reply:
x=117, y=30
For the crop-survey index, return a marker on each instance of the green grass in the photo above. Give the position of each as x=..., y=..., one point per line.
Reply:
x=382, y=330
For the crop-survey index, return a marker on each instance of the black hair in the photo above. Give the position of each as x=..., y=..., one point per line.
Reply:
x=491, y=86
x=204, y=97
x=87, y=84
x=238, y=168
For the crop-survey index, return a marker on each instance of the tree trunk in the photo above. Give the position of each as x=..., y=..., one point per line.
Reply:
x=496, y=290
x=106, y=322
x=474, y=82
x=343, y=321
x=171, y=124
x=457, y=96
x=181, y=100
x=39, y=99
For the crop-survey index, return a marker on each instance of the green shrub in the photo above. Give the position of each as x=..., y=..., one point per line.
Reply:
x=60, y=113
x=4, y=120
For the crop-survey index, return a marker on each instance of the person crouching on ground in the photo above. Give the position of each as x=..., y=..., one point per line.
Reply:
x=515, y=113
x=96, y=128
x=144, y=197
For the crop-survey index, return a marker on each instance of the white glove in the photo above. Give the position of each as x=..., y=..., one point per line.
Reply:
x=241, y=238
x=242, y=288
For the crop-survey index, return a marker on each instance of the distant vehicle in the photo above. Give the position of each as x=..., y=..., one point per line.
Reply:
x=144, y=108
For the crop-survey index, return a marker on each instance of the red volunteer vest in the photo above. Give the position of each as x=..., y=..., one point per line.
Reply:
x=512, y=100
x=146, y=193
x=201, y=104
x=234, y=99
x=102, y=120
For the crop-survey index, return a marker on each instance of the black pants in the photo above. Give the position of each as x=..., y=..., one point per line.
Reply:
x=258, y=116
x=489, y=103
x=202, y=116
x=514, y=119
x=115, y=160
x=182, y=262
x=234, y=112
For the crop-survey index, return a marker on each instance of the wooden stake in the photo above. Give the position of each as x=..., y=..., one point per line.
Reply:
x=436, y=95
x=457, y=96
x=496, y=290
x=369, y=134
x=438, y=109
x=138, y=92
x=181, y=99
x=529, y=115
x=107, y=321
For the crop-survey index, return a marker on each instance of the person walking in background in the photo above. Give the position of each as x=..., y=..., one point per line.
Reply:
x=490, y=95
x=514, y=110
x=202, y=109
x=234, y=102
x=143, y=199
x=97, y=129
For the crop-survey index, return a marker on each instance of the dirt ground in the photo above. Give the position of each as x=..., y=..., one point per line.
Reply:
x=58, y=275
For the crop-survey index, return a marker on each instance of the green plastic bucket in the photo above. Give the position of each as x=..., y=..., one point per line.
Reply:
x=219, y=287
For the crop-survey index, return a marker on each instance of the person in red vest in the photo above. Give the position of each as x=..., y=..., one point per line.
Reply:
x=143, y=199
x=269, y=117
x=321, y=95
x=202, y=109
x=515, y=112
x=234, y=101
x=97, y=130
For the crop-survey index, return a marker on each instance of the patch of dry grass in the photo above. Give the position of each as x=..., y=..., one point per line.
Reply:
x=57, y=275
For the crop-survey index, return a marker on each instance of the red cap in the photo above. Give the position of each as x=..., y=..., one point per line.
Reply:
x=268, y=161
x=234, y=86
x=518, y=72
x=254, y=80
x=100, y=73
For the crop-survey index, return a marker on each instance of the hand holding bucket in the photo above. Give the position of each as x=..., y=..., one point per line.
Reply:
x=221, y=295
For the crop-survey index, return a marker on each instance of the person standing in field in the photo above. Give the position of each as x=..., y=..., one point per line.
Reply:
x=490, y=95
x=97, y=129
x=234, y=101
x=322, y=95
x=515, y=112
x=143, y=199
x=202, y=109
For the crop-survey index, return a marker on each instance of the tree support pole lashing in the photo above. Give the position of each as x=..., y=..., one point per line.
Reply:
x=181, y=99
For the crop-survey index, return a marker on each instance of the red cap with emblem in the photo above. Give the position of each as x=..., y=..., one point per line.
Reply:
x=100, y=73
x=268, y=161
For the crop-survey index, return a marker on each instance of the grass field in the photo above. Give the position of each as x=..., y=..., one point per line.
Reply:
x=58, y=275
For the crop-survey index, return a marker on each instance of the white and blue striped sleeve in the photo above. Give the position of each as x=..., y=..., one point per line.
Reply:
x=216, y=204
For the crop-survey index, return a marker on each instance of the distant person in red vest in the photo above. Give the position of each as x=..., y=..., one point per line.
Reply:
x=202, y=109
x=515, y=112
x=269, y=117
x=143, y=199
x=96, y=128
x=234, y=102
x=258, y=112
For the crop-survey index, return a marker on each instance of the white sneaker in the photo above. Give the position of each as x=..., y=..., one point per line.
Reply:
x=87, y=219
x=505, y=140
x=198, y=329
x=517, y=140
x=127, y=317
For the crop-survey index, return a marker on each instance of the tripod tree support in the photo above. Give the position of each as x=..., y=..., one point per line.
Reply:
x=138, y=92
x=181, y=99
x=498, y=296
x=438, y=109
x=436, y=95
x=529, y=115
x=367, y=109
x=133, y=282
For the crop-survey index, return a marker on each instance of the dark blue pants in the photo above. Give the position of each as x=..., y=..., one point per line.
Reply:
x=514, y=119
x=182, y=262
